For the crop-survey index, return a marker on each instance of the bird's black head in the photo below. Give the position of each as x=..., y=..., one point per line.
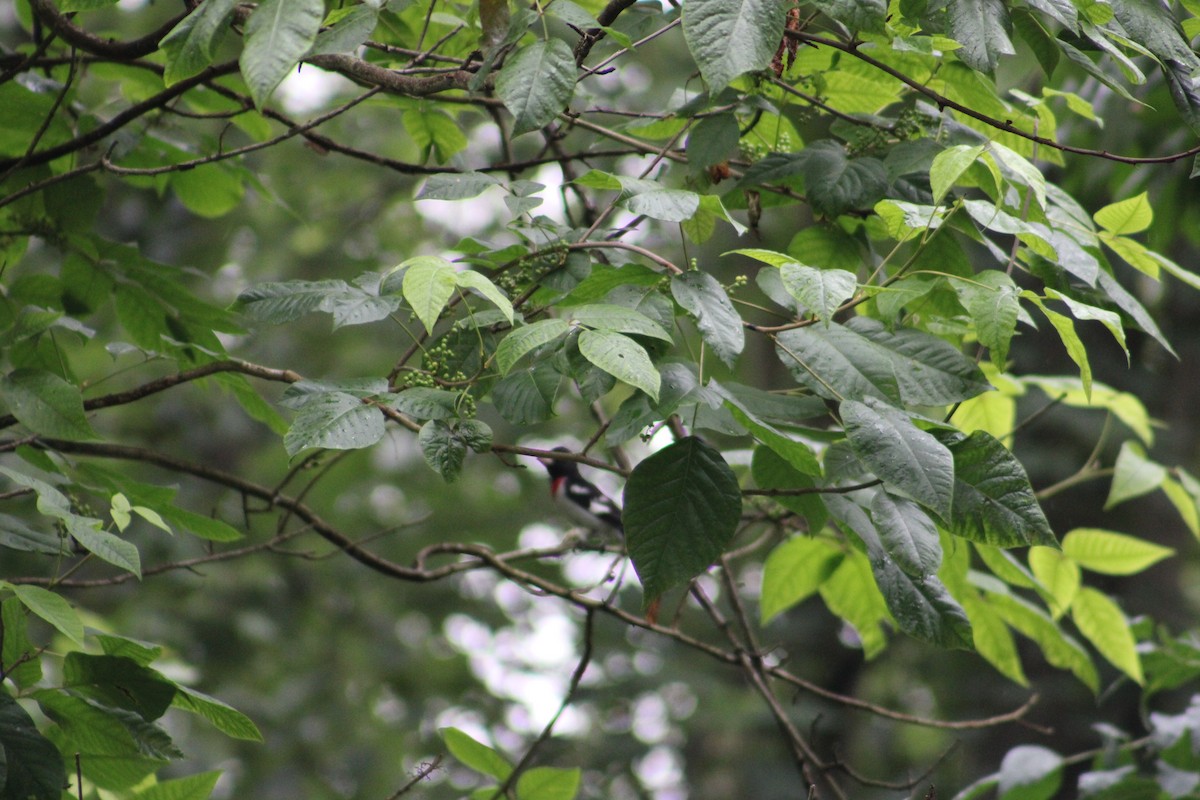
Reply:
x=558, y=467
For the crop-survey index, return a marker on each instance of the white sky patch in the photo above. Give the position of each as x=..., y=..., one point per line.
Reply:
x=308, y=89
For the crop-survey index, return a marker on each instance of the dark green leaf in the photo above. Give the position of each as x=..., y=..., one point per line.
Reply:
x=46, y=404
x=443, y=450
x=527, y=396
x=731, y=38
x=835, y=184
x=821, y=291
x=119, y=682
x=719, y=323
x=191, y=45
x=993, y=501
x=16, y=534
x=981, y=27
x=682, y=506
x=277, y=303
x=20, y=661
x=350, y=29
x=335, y=421
x=29, y=762
x=908, y=535
x=53, y=608
x=422, y=402
x=857, y=15
x=905, y=457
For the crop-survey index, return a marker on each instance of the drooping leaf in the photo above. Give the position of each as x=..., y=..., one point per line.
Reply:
x=444, y=452
x=609, y=317
x=526, y=396
x=46, y=404
x=537, y=83
x=993, y=500
x=728, y=39
x=53, y=608
x=794, y=571
x=1058, y=575
x=476, y=755
x=905, y=457
x=456, y=185
x=1112, y=553
x=335, y=421
x=225, y=718
x=278, y=34
x=526, y=339
x=835, y=184
x=907, y=534
x=30, y=763
x=1059, y=649
x=949, y=165
x=469, y=279
x=277, y=303
x=682, y=506
x=851, y=593
x=708, y=303
x=347, y=29
x=1133, y=475
x=771, y=471
x=119, y=682
x=821, y=291
x=981, y=27
x=428, y=284
x=621, y=357
x=990, y=297
x=1102, y=623
x=191, y=45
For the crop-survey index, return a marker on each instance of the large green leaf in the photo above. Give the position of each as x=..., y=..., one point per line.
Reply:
x=19, y=658
x=549, y=783
x=795, y=570
x=1102, y=623
x=621, y=357
x=905, y=457
x=772, y=471
x=46, y=404
x=981, y=27
x=990, y=297
x=336, y=421
x=835, y=184
x=477, y=756
x=719, y=323
x=277, y=303
x=225, y=718
x=119, y=682
x=609, y=317
x=191, y=45
x=526, y=339
x=1112, y=553
x=53, y=608
x=104, y=545
x=865, y=359
x=1059, y=649
x=682, y=506
x=993, y=500
x=278, y=34
x=29, y=762
x=537, y=83
x=821, y=291
x=731, y=37
x=907, y=534
x=852, y=594
x=428, y=284
x=527, y=396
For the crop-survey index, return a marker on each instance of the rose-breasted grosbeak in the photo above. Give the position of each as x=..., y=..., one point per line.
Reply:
x=579, y=498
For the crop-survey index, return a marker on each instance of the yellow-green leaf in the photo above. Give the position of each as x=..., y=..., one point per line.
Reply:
x=1104, y=625
x=1112, y=553
x=1127, y=216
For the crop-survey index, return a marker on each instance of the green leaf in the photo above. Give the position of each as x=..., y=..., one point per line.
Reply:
x=104, y=545
x=718, y=322
x=1112, y=553
x=617, y=318
x=1058, y=574
x=192, y=787
x=857, y=15
x=118, y=682
x=347, y=29
x=469, y=279
x=908, y=535
x=1030, y=772
x=456, y=185
x=682, y=506
x=192, y=44
x=1125, y=406
x=46, y=404
x=537, y=83
x=334, y=421
x=477, y=756
x=429, y=282
x=771, y=471
x=278, y=34
x=17, y=534
x=796, y=453
x=949, y=165
x=1070, y=339
x=1122, y=218
x=53, y=608
x=549, y=783
x=851, y=594
x=423, y=402
x=277, y=303
x=728, y=39
x=981, y=27
x=1059, y=649
x=20, y=661
x=527, y=396
x=821, y=291
x=526, y=339
x=864, y=359
x=621, y=357
x=835, y=184
x=993, y=500
x=443, y=451
x=1133, y=475
x=1103, y=624
x=990, y=297
x=903, y=456
x=213, y=530
x=225, y=718
x=139, y=652
x=793, y=571
x=29, y=762
x=668, y=205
